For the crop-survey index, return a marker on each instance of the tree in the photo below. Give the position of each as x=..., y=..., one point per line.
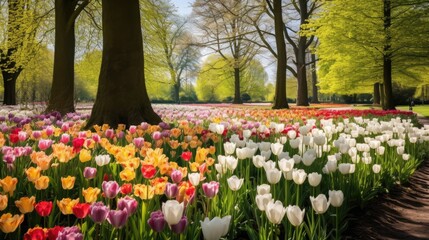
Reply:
x=23, y=20
x=280, y=99
x=121, y=95
x=223, y=30
x=363, y=43
x=168, y=31
x=62, y=90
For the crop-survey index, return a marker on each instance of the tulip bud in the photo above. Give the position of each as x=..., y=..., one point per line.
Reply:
x=314, y=179
x=336, y=198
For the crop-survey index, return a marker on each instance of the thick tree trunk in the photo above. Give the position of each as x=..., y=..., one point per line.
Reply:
x=9, y=83
x=315, y=98
x=382, y=94
x=122, y=97
x=387, y=59
x=376, y=95
x=176, y=87
x=62, y=91
x=301, y=70
x=237, y=95
x=280, y=99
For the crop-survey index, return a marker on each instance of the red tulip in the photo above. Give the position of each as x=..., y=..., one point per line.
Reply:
x=53, y=232
x=43, y=208
x=77, y=144
x=81, y=210
x=126, y=188
x=148, y=171
x=36, y=233
x=186, y=156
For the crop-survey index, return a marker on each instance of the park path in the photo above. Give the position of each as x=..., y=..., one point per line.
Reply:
x=401, y=214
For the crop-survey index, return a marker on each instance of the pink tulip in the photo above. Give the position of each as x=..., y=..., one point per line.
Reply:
x=211, y=189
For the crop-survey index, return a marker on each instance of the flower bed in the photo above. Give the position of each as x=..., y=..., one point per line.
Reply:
x=204, y=172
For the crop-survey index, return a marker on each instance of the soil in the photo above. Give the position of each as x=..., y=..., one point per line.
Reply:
x=403, y=213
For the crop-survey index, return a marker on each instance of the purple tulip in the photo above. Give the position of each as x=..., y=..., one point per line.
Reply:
x=98, y=212
x=211, y=189
x=128, y=203
x=110, y=188
x=176, y=176
x=157, y=221
x=120, y=135
x=144, y=125
x=165, y=133
x=70, y=233
x=164, y=125
x=171, y=190
x=180, y=227
x=36, y=134
x=118, y=218
x=89, y=172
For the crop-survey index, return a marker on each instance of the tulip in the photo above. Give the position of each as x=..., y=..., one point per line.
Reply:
x=25, y=204
x=286, y=165
x=194, y=178
x=231, y=163
x=41, y=183
x=180, y=227
x=346, y=168
x=297, y=158
x=276, y=148
x=295, y=215
x=44, y=144
x=320, y=204
x=216, y=228
x=405, y=156
x=85, y=155
x=128, y=203
x=273, y=175
x=52, y=233
x=331, y=164
x=33, y=173
x=89, y=172
x=314, y=179
x=211, y=189
x=157, y=221
x=90, y=194
x=66, y=205
x=81, y=210
x=118, y=218
x=138, y=142
x=376, y=168
x=229, y=148
x=110, y=188
x=275, y=211
x=319, y=140
x=186, y=156
x=8, y=184
x=68, y=182
x=70, y=233
x=235, y=183
x=9, y=223
x=128, y=174
x=171, y=190
x=173, y=211
x=259, y=160
x=336, y=198
x=43, y=208
x=176, y=176
x=98, y=212
x=263, y=189
x=291, y=134
x=102, y=160
x=35, y=233
x=299, y=176
x=263, y=200
x=148, y=171
x=294, y=143
x=65, y=138
x=143, y=191
x=309, y=157
x=3, y=202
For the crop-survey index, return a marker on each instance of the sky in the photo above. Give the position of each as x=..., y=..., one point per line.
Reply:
x=184, y=7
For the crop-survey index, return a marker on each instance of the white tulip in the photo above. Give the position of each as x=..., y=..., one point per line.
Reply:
x=286, y=165
x=273, y=175
x=173, y=211
x=299, y=176
x=258, y=161
x=294, y=143
x=376, y=168
x=194, y=178
x=216, y=228
x=229, y=148
x=295, y=215
x=231, y=163
x=276, y=148
x=314, y=179
x=263, y=200
x=320, y=204
x=235, y=183
x=275, y=211
x=102, y=160
x=336, y=198
x=291, y=134
x=263, y=189
x=309, y=157
x=405, y=156
x=297, y=159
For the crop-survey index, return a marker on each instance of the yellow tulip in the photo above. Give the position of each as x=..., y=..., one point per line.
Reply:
x=8, y=184
x=128, y=174
x=194, y=166
x=66, y=205
x=68, y=182
x=90, y=194
x=85, y=155
x=143, y=191
x=25, y=204
x=9, y=223
x=33, y=173
x=41, y=183
x=201, y=155
x=3, y=202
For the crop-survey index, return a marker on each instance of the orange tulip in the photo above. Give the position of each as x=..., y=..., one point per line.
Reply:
x=9, y=223
x=91, y=194
x=66, y=205
x=33, y=173
x=25, y=204
x=68, y=182
x=8, y=184
x=41, y=183
x=143, y=191
x=128, y=174
x=3, y=202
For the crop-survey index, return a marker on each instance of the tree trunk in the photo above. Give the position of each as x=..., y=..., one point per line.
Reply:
x=237, y=95
x=382, y=94
x=9, y=83
x=376, y=97
x=280, y=99
x=122, y=97
x=387, y=59
x=62, y=91
x=315, y=98
x=176, y=87
x=301, y=70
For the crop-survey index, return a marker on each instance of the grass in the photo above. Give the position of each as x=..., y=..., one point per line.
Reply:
x=419, y=109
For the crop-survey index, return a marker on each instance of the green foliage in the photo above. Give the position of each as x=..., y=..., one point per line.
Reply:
x=352, y=44
x=216, y=80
